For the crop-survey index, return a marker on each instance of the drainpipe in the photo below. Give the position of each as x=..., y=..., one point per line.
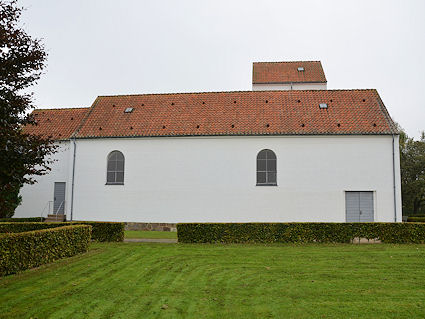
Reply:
x=73, y=175
x=394, y=189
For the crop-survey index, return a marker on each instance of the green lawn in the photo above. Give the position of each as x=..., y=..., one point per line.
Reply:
x=150, y=234
x=139, y=280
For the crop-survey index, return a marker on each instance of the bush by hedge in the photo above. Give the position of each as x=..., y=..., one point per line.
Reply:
x=101, y=231
x=20, y=251
x=21, y=220
x=299, y=232
x=416, y=219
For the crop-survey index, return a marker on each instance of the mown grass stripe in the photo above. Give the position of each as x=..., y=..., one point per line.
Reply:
x=132, y=280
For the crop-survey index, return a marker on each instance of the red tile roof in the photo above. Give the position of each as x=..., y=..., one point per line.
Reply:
x=287, y=72
x=58, y=124
x=238, y=113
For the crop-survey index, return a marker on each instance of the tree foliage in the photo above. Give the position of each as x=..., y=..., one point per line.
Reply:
x=412, y=164
x=22, y=156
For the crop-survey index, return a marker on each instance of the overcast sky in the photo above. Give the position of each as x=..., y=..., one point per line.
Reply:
x=99, y=47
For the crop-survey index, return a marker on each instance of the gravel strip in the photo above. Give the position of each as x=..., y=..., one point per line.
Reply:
x=150, y=240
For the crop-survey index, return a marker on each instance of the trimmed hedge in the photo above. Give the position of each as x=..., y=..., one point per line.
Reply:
x=106, y=231
x=299, y=232
x=20, y=220
x=101, y=231
x=20, y=251
x=416, y=219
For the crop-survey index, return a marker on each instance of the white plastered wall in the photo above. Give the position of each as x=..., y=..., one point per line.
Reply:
x=213, y=179
x=35, y=197
x=288, y=86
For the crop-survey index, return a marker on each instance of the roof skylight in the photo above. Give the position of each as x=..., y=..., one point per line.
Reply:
x=300, y=69
x=128, y=110
x=323, y=105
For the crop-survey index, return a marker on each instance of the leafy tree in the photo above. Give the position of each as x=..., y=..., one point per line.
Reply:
x=22, y=156
x=412, y=164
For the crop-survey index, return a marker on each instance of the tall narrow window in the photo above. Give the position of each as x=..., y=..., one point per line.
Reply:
x=115, y=170
x=266, y=168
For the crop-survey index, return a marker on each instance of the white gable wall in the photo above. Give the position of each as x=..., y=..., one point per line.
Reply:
x=288, y=86
x=213, y=179
x=35, y=197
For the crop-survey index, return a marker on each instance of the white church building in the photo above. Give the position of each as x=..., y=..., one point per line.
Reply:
x=290, y=150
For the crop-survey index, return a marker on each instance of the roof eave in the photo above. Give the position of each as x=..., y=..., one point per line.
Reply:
x=240, y=134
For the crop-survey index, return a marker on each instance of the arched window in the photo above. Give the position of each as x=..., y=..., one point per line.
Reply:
x=266, y=168
x=115, y=169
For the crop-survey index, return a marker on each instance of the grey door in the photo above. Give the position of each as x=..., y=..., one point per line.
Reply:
x=59, y=198
x=359, y=207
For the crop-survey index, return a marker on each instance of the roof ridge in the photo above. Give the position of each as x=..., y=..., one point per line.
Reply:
x=256, y=91
x=288, y=61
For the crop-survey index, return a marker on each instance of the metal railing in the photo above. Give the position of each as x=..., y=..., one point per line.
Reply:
x=44, y=209
x=57, y=210
x=50, y=208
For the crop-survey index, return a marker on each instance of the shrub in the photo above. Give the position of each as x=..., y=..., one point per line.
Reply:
x=9, y=198
x=20, y=220
x=101, y=231
x=106, y=231
x=299, y=232
x=20, y=251
x=416, y=219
